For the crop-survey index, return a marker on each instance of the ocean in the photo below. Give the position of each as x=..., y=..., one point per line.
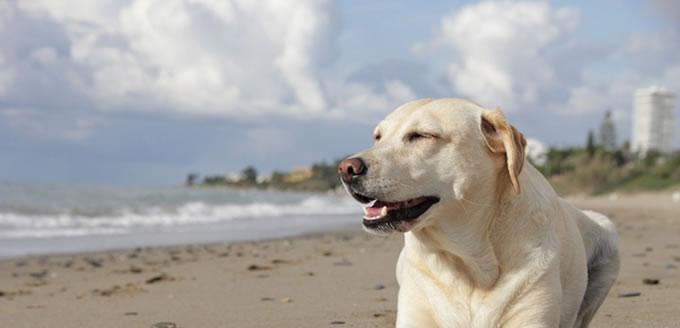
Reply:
x=44, y=219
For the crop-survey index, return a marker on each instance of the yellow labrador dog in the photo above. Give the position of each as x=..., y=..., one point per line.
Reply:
x=487, y=241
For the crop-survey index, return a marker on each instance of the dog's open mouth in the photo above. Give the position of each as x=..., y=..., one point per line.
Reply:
x=378, y=213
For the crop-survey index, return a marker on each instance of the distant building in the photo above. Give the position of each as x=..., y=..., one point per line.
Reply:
x=653, y=120
x=232, y=177
x=298, y=174
x=608, y=132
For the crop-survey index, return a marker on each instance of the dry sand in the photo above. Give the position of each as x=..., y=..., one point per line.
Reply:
x=342, y=279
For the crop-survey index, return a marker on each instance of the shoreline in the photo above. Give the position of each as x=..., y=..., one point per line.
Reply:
x=342, y=278
x=169, y=239
x=122, y=249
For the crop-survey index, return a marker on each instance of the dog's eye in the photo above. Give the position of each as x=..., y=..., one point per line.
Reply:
x=413, y=136
x=376, y=137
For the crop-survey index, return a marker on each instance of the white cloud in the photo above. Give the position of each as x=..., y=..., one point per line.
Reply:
x=499, y=50
x=399, y=91
x=44, y=55
x=362, y=101
x=248, y=58
x=597, y=94
x=537, y=151
x=237, y=57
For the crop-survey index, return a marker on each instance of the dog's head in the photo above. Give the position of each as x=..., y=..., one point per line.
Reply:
x=429, y=156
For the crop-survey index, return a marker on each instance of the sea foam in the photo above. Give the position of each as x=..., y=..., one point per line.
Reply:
x=68, y=222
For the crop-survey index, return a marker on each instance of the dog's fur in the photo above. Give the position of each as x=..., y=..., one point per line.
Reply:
x=500, y=248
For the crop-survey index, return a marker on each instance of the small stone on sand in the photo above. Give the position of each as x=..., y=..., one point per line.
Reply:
x=159, y=278
x=650, y=281
x=344, y=262
x=93, y=262
x=279, y=261
x=255, y=267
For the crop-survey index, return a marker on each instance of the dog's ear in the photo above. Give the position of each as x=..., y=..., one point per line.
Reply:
x=503, y=138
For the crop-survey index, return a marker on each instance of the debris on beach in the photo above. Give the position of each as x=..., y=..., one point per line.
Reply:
x=344, y=262
x=256, y=267
x=160, y=278
x=286, y=300
x=95, y=263
x=650, y=281
x=281, y=261
x=127, y=289
x=39, y=274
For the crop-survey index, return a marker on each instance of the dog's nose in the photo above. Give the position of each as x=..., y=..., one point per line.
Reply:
x=350, y=168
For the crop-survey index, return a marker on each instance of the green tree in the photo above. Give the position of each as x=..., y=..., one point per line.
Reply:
x=608, y=133
x=249, y=175
x=191, y=179
x=590, y=144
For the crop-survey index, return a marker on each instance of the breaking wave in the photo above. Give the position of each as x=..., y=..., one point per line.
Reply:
x=69, y=222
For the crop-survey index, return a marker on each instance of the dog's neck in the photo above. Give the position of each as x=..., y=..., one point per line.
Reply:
x=468, y=248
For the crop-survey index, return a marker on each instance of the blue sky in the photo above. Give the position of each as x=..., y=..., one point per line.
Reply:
x=142, y=92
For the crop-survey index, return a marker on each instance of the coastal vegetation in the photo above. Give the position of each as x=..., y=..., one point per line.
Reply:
x=590, y=169
x=599, y=171
x=318, y=177
x=600, y=166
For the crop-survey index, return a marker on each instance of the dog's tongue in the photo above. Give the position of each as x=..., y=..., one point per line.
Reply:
x=378, y=209
x=375, y=212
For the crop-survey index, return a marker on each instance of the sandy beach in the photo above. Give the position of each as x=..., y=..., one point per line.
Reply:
x=339, y=279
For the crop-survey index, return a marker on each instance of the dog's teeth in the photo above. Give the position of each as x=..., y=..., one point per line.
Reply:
x=383, y=211
x=371, y=203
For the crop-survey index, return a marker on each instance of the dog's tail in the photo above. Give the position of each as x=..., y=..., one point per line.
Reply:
x=603, y=268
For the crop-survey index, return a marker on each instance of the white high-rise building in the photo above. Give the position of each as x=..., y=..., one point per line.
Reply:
x=653, y=120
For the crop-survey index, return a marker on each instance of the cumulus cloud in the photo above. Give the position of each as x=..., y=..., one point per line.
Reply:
x=536, y=151
x=499, y=50
x=243, y=58
x=195, y=56
x=362, y=100
x=237, y=58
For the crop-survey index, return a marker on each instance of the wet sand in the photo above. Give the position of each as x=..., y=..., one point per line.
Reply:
x=340, y=279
